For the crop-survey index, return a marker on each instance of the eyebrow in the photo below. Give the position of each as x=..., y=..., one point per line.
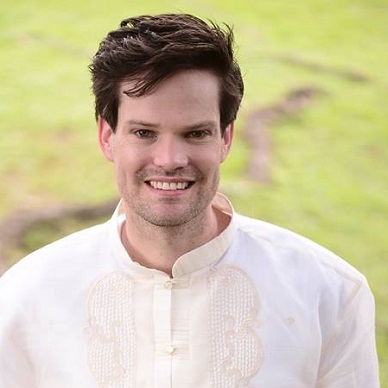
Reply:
x=202, y=124
x=199, y=125
x=141, y=123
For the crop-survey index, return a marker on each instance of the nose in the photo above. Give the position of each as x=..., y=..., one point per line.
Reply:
x=170, y=153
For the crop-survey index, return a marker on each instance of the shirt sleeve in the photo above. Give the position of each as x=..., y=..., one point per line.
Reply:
x=15, y=366
x=349, y=358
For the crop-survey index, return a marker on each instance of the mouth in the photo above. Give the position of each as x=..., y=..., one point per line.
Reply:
x=170, y=186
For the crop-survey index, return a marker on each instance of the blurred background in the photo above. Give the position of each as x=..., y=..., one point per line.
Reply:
x=311, y=150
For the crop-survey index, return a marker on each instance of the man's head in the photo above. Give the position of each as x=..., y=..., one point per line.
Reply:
x=146, y=50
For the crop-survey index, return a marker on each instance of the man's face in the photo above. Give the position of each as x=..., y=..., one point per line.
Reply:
x=167, y=149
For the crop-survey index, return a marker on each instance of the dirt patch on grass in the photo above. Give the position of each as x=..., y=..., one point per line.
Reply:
x=14, y=228
x=260, y=122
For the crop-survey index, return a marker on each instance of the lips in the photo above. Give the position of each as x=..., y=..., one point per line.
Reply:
x=170, y=186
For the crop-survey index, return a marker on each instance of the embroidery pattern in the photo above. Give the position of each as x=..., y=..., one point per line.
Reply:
x=112, y=331
x=236, y=350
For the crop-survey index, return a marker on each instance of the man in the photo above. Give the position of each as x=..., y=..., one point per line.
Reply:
x=177, y=290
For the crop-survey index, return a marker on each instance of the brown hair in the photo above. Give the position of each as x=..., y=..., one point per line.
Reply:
x=148, y=49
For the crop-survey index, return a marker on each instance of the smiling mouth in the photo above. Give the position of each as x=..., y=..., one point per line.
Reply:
x=171, y=186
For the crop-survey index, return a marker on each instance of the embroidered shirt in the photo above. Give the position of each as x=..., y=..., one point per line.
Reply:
x=258, y=306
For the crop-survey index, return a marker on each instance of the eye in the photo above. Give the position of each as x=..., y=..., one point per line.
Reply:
x=198, y=134
x=144, y=133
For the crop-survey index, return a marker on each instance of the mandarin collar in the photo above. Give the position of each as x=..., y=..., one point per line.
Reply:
x=203, y=256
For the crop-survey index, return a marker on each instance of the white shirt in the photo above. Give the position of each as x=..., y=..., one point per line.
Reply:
x=258, y=306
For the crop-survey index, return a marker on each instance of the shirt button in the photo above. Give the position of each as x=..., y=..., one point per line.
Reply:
x=168, y=285
x=170, y=349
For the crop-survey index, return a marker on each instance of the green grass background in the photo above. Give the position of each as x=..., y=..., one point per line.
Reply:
x=328, y=164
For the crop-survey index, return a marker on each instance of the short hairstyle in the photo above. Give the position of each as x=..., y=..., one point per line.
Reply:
x=148, y=49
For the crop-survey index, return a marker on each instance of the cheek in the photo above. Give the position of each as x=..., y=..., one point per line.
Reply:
x=126, y=165
x=211, y=158
x=211, y=165
x=128, y=156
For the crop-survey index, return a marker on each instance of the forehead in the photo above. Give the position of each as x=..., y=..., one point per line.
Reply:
x=187, y=93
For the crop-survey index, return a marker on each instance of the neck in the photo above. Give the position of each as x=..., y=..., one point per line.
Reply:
x=160, y=247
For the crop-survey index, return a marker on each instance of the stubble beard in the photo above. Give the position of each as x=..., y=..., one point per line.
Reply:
x=192, y=215
x=171, y=220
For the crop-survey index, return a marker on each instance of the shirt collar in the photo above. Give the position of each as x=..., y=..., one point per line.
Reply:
x=205, y=255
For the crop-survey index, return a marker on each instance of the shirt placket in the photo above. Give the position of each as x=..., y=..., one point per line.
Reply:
x=164, y=348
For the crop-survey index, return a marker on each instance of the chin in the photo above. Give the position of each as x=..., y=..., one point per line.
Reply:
x=170, y=220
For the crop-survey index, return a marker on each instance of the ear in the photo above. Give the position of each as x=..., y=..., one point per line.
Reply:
x=106, y=138
x=227, y=140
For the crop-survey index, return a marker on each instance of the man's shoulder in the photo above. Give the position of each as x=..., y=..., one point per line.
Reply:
x=294, y=249
x=78, y=242
x=66, y=254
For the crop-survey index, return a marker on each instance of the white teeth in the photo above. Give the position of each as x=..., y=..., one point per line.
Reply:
x=169, y=185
